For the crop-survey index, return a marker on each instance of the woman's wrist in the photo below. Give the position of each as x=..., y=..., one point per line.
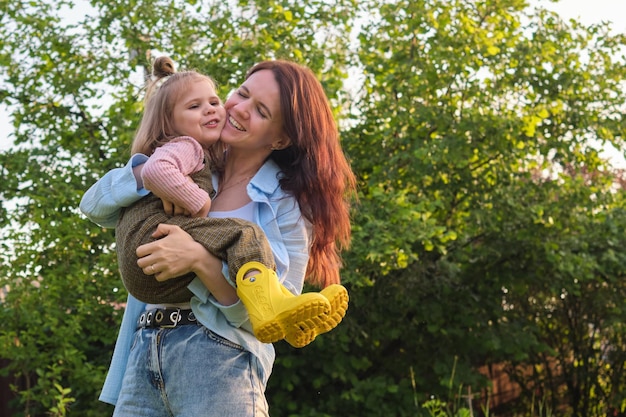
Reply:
x=208, y=268
x=203, y=262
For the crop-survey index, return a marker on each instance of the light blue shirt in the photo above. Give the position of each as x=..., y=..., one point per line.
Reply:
x=276, y=212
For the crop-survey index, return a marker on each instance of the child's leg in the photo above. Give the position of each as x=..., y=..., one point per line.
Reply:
x=273, y=313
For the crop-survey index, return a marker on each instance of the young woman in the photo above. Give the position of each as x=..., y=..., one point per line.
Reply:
x=280, y=129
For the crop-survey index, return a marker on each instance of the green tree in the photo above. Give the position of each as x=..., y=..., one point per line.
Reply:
x=488, y=220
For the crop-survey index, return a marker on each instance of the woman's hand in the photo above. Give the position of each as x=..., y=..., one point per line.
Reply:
x=176, y=254
x=173, y=255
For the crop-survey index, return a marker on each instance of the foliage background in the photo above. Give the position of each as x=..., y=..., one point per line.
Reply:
x=488, y=234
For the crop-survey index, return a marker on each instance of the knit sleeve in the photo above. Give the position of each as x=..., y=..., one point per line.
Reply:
x=166, y=173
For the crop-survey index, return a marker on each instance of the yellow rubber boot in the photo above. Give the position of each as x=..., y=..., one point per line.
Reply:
x=296, y=336
x=337, y=296
x=271, y=311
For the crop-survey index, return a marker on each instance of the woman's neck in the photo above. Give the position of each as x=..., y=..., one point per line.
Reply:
x=239, y=166
x=231, y=192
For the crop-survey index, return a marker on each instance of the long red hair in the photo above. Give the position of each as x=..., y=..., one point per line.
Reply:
x=316, y=171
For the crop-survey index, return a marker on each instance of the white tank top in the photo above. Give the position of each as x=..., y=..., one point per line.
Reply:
x=245, y=212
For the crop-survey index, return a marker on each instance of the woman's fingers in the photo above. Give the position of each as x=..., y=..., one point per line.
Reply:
x=172, y=255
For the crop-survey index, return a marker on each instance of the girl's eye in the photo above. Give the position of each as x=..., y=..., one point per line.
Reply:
x=261, y=113
x=241, y=94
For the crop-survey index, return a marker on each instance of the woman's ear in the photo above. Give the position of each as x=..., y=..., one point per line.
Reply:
x=280, y=144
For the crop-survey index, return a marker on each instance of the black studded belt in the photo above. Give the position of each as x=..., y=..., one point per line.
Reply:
x=165, y=317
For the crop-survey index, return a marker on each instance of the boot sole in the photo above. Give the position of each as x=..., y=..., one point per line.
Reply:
x=306, y=318
x=298, y=338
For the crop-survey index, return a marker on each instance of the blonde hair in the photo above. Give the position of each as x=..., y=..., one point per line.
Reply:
x=163, y=91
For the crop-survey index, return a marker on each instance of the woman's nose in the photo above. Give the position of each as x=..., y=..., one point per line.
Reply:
x=240, y=109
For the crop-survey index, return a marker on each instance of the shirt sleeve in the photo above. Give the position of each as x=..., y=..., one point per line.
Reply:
x=292, y=257
x=167, y=172
x=119, y=361
x=117, y=189
x=236, y=314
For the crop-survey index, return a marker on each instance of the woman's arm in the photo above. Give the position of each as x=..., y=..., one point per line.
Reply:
x=118, y=188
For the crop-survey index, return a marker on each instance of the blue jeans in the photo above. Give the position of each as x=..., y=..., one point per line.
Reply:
x=189, y=371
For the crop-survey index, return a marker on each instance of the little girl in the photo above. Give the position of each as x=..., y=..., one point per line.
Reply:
x=183, y=118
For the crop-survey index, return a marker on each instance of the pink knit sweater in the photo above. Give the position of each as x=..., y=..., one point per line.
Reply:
x=166, y=173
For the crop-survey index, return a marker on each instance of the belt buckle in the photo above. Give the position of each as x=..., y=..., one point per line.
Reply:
x=175, y=318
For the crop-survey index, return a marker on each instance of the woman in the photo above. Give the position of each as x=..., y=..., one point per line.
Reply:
x=284, y=170
x=182, y=121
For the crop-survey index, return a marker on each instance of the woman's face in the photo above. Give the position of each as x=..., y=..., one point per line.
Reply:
x=199, y=113
x=254, y=119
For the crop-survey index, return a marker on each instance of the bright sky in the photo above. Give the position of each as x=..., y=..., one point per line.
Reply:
x=587, y=11
x=591, y=11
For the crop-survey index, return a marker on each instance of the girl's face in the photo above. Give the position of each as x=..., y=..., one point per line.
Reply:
x=254, y=119
x=199, y=113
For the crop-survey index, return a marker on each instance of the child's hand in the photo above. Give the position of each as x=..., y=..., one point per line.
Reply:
x=174, y=210
x=204, y=211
